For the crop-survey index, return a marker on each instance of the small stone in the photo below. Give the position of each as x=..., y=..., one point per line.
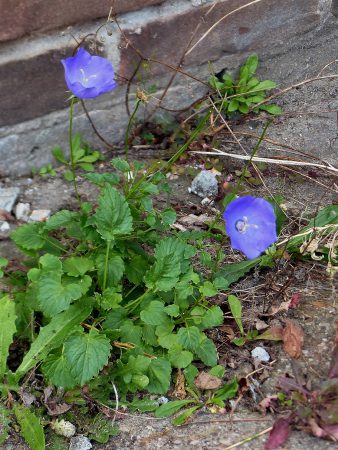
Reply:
x=39, y=215
x=22, y=211
x=8, y=197
x=259, y=354
x=162, y=400
x=206, y=201
x=80, y=442
x=4, y=226
x=205, y=184
x=63, y=428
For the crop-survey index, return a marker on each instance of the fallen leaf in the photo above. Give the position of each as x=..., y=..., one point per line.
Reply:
x=179, y=391
x=278, y=435
x=272, y=334
x=261, y=325
x=54, y=409
x=284, y=306
x=293, y=339
x=206, y=381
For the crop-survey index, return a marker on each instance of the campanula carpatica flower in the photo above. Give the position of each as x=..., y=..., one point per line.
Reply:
x=88, y=76
x=251, y=225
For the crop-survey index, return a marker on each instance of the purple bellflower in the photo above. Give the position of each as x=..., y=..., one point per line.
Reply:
x=88, y=76
x=251, y=225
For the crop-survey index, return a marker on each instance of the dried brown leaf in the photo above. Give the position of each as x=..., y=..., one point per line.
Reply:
x=179, y=391
x=206, y=381
x=293, y=339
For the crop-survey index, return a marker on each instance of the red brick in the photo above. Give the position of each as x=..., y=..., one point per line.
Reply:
x=21, y=17
x=247, y=30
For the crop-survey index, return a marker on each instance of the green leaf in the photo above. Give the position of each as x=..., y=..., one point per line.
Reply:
x=252, y=63
x=113, y=217
x=149, y=336
x=207, y=352
x=115, y=318
x=110, y=298
x=243, y=108
x=170, y=408
x=236, y=311
x=217, y=371
x=7, y=330
x=131, y=333
x=208, y=289
x=154, y=313
x=182, y=418
x=115, y=269
x=233, y=272
x=120, y=164
x=53, y=335
x=144, y=405
x=3, y=263
x=190, y=374
x=189, y=338
x=53, y=296
x=272, y=109
x=159, y=374
x=233, y=105
x=172, y=310
x=59, y=155
x=264, y=85
x=31, y=428
x=68, y=175
x=4, y=423
x=164, y=274
x=168, y=216
x=56, y=369
x=179, y=358
x=212, y=318
x=227, y=391
x=29, y=236
x=77, y=266
x=61, y=219
x=100, y=179
x=86, y=353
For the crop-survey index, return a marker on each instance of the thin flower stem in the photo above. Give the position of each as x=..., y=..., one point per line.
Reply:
x=106, y=265
x=130, y=123
x=72, y=162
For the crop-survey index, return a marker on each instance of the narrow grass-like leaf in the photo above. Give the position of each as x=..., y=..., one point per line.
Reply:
x=31, y=428
x=7, y=330
x=170, y=408
x=236, y=311
x=53, y=335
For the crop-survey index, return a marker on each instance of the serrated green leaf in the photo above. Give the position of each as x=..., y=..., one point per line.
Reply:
x=53, y=335
x=207, y=352
x=179, y=358
x=77, y=266
x=29, y=236
x=100, y=179
x=164, y=274
x=236, y=311
x=213, y=317
x=110, y=298
x=131, y=333
x=61, y=219
x=30, y=427
x=170, y=408
x=154, y=313
x=115, y=269
x=120, y=164
x=208, y=289
x=189, y=338
x=172, y=310
x=7, y=330
x=159, y=374
x=56, y=369
x=86, y=354
x=115, y=318
x=168, y=216
x=149, y=336
x=53, y=296
x=113, y=217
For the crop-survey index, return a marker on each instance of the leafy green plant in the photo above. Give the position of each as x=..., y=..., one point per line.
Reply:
x=45, y=171
x=246, y=93
x=83, y=157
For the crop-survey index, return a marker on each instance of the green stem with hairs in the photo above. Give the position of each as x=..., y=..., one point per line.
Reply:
x=72, y=162
x=105, y=274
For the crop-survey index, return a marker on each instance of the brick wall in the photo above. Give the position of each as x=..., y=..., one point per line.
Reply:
x=36, y=34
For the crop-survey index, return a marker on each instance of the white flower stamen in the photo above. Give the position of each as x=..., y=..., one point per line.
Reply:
x=85, y=80
x=243, y=224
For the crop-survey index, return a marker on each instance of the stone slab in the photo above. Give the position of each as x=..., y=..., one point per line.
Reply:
x=21, y=17
x=8, y=198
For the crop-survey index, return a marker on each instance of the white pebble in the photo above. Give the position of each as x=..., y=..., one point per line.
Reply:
x=260, y=354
